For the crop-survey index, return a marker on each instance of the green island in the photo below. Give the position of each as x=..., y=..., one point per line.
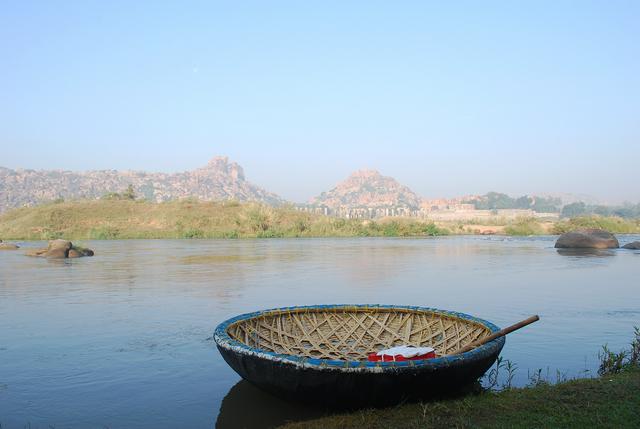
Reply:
x=139, y=219
x=610, y=400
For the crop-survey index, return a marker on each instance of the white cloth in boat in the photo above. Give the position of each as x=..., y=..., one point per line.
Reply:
x=405, y=351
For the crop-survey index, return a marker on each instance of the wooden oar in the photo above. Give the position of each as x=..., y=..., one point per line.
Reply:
x=498, y=334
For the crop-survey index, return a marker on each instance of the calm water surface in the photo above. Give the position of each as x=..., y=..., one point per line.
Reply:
x=123, y=339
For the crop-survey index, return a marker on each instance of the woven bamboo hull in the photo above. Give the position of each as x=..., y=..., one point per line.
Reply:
x=335, y=387
x=351, y=382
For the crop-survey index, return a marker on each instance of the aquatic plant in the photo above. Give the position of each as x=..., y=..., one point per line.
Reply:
x=536, y=379
x=492, y=375
x=614, y=363
x=491, y=379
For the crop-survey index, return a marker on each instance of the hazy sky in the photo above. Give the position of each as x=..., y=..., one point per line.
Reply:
x=451, y=99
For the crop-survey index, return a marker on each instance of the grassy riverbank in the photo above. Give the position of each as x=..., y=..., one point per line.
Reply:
x=120, y=219
x=525, y=226
x=124, y=219
x=612, y=224
x=612, y=400
x=609, y=401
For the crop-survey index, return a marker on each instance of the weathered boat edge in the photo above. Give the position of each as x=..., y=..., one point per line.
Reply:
x=352, y=384
x=225, y=342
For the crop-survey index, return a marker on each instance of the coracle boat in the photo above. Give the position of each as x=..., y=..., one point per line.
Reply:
x=320, y=353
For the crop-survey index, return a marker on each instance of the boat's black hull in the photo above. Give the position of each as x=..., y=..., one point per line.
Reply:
x=348, y=388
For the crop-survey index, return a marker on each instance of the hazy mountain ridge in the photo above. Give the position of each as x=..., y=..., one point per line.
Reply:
x=365, y=193
x=370, y=189
x=218, y=180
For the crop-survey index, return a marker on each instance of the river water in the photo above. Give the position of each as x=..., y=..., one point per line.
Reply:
x=123, y=339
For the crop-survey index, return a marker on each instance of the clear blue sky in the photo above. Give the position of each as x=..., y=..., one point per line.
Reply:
x=450, y=99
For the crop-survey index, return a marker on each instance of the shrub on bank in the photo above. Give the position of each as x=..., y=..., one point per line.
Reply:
x=524, y=226
x=613, y=224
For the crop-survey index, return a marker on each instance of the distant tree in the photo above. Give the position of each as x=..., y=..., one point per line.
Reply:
x=111, y=196
x=524, y=202
x=129, y=194
x=574, y=209
x=546, y=205
x=500, y=201
x=628, y=210
x=600, y=210
x=497, y=201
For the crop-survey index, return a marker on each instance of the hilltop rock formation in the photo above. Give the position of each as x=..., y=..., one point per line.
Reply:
x=587, y=239
x=60, y=249
x=218, y=180
x=369, y=189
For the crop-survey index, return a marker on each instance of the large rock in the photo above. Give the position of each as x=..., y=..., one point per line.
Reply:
x=85, y=251
x=73, y=253
x=36, y=252
x=8, y=246
x=57, y=253
x=587, y=239
x=60, y=249
x=60, y=244
x=635, y=245
x=79, y=252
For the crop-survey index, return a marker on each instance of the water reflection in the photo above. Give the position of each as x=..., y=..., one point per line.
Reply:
x=246, y=406
x=118, y=339
x=586, y=253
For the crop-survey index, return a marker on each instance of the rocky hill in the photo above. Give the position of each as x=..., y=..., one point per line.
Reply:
x=369, y=189
x=218, y=180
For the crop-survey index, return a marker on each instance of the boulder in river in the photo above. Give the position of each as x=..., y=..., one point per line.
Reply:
x=587, y=239
x=634, y=245
x=8, y=246
x=60, y=244
x=60, y=249
x=85, y=251
x=57, y=253
x=79, y=252
x=36, y=252
x=73, y=253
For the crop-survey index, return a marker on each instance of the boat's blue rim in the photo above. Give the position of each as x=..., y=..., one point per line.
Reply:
x=223, y=340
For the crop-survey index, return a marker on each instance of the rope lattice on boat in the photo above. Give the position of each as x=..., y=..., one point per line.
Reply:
x=346, y=333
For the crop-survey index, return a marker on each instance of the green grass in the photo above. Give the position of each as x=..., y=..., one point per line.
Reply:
x=610, y=401
x=488, y=221
x=110, y=219
x=124, y=219
x=524, y=226
x=616, y=225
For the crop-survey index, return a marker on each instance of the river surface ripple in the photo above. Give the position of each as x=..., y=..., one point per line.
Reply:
x=123, y=339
